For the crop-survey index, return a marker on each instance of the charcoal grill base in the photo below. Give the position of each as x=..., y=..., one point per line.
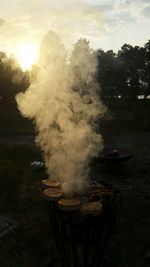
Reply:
x=81, y=240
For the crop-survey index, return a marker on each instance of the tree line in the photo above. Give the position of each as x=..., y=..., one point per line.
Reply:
x=121, y=75
x=125, y=74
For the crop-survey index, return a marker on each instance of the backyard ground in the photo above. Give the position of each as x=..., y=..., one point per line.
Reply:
x=31, y=242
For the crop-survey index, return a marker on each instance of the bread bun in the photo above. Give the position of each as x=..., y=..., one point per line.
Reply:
x=50, y=183
x=53, y=194
x=92, y=208
x=69, y=204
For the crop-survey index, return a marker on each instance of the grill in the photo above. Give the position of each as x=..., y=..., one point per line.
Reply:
x=82, y=231
x=113, y=156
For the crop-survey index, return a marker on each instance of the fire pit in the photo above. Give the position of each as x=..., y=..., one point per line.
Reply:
x=113, y=155
x=82, y=225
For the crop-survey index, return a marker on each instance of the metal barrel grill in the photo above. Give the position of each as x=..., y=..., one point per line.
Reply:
x=82, y=237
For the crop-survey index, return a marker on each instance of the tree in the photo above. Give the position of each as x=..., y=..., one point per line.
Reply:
x=51, y=50
x=12, y=78
x=132, y=60
x=110, y=74
x=83, y=65
x=146, y=71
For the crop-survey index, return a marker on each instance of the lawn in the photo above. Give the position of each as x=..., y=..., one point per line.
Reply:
x=31, y=243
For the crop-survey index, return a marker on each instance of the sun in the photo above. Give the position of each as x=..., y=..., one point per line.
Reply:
x=27, y=55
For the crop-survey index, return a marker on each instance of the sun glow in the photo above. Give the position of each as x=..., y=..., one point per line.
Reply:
x=27, y=55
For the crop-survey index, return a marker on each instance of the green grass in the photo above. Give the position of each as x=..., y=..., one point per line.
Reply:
x=127, y=116
x=12, y=123
x=32, y=243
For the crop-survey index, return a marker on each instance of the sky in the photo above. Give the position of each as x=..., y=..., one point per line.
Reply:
x=107, y=24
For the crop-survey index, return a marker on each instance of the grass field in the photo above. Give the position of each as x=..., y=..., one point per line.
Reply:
x=32, y=243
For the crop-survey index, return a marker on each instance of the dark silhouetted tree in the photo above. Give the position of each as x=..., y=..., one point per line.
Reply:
x=111, y=75
x=12, y=78
x=146, y=71
x=132, y=60
x=83, y=64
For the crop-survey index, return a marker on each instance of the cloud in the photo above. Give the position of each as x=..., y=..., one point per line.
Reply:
x=146, y=12
x=29, y=20
x=119, y=14
x=136, y=1
x=70, y=19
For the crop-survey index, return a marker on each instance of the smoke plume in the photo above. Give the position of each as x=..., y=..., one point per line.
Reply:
x=63, y=100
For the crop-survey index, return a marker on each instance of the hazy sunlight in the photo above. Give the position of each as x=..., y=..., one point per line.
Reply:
x=27, y=55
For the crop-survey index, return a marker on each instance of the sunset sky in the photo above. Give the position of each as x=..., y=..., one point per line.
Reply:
x=106, y=24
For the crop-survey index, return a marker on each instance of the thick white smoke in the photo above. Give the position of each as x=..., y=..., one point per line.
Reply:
x=63, y=100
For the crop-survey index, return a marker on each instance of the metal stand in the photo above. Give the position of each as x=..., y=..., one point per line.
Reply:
x=81, y=240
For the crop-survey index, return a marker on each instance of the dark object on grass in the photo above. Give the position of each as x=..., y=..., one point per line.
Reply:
x=37, y=165
x=114, y=155
x=6, y=225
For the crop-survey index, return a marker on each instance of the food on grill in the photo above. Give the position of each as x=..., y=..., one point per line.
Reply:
x=99, y=194
x=53, y=194
x=113, y=153
x=93, y=185
x=109, y=153
x=51, y=183
x=92, y=208
x=94, y=197
x=69, y=204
